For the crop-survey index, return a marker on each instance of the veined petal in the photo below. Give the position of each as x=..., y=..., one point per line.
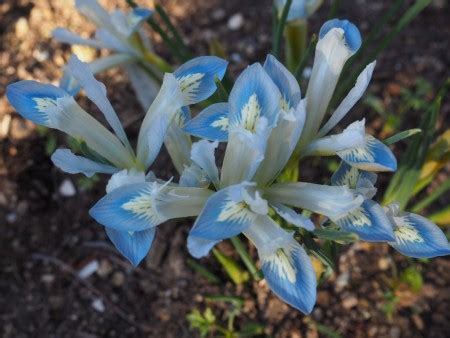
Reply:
x=285, y=81
x=349, y=101
x=330, y=201
x=52, y=107
x=374, y=155
x=133, y=245
x=254, y=96
x=143, y=85
x=245, y=151
x=177, y=142
x=202, y=154
x=338, y=41
x=196, y=77
x=286, y=266
x=292, y=217
x=352, y=137
x=67, y=161
x=281, y=144
x=157, y=119
x=211, y=123
x=417, y=237
x=369, y=222
x=35, y=101
x=350, y=176
x=125, y=177
x=130, y=207
x=228, y=212
x=96, y=92
x=65, y=36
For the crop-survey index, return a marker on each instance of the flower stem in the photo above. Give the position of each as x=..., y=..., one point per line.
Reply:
x=246, y=259
x=296, y=33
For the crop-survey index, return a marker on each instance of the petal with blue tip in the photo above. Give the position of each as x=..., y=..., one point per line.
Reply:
x=351, y=32
x=369, y=222
x=197, y=77
x=254, y=96
x=67, y=161
x=228, y=212
x=373, y=156
x=35, y=101
x=129, y=208
x=417, y=237
x=285, y=81
x=211, y=123
x=286, y=266
x=133, y=245
x=200, y=247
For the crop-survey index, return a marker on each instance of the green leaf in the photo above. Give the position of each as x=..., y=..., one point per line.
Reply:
x=336, y=235
x=200, y=269
x=306, y=55
x=441, y=217
x=401, y=136
x=251, y=329
x=280, y=28
x=327, y=331
x=203, y=323
x=246, y=258
x=236, y=301
x=234, y=271
x=413, y=278
x=441, y=189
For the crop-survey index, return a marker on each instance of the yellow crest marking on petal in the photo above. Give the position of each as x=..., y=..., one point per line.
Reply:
x=250, y=113
x=358, y=218
x=190, y=83
x=221, y=123
x=406, y=232
x=281, y=262
x=142, y=206
x=235, y=211
x=44, y=103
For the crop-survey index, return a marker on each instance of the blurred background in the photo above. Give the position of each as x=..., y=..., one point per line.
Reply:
x=60, y=276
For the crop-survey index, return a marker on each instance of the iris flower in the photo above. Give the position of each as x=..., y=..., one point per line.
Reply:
x=262, y=123
x=110, y=152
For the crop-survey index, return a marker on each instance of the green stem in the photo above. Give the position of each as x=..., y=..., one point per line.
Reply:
x=301, y=66
x=280, y=29
x=296, y=35
x=246, y=259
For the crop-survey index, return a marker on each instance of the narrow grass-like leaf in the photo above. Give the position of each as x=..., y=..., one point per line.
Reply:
x=442, y=189
x=234, y=271
x=306, y=56
x=200, y=269
x=441, y=217
x=401, y=136
x=280, y=28
x=246, y=258
x=335, y=235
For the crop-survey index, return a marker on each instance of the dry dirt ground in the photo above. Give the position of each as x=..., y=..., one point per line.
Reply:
x=47, y=238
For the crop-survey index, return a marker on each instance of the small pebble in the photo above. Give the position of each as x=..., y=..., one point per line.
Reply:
x=349, y=302
x=118, y=278
x=89, y=269
x=98, y=305
x=235, y=22
x=218, y=14
x=67, y=189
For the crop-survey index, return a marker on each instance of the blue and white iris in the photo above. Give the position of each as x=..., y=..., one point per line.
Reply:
x=111, y=152
x=262, y=122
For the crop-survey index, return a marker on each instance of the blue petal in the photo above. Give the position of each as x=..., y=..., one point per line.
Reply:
x=350, y=176
x=34, y=100
x=290, y=275
x=137, y=16
x=224, y=215
x=351, y=32
x=415, y=236
x=67, y=161
x=285, y=81
x=292, y=217
x=211, y=123
x=369, y=222
x=133, y=245
x=69, y=84
x=254, y=95
x=374, y=156
x=200, y=247
x=128, y=208
x=196, y=77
